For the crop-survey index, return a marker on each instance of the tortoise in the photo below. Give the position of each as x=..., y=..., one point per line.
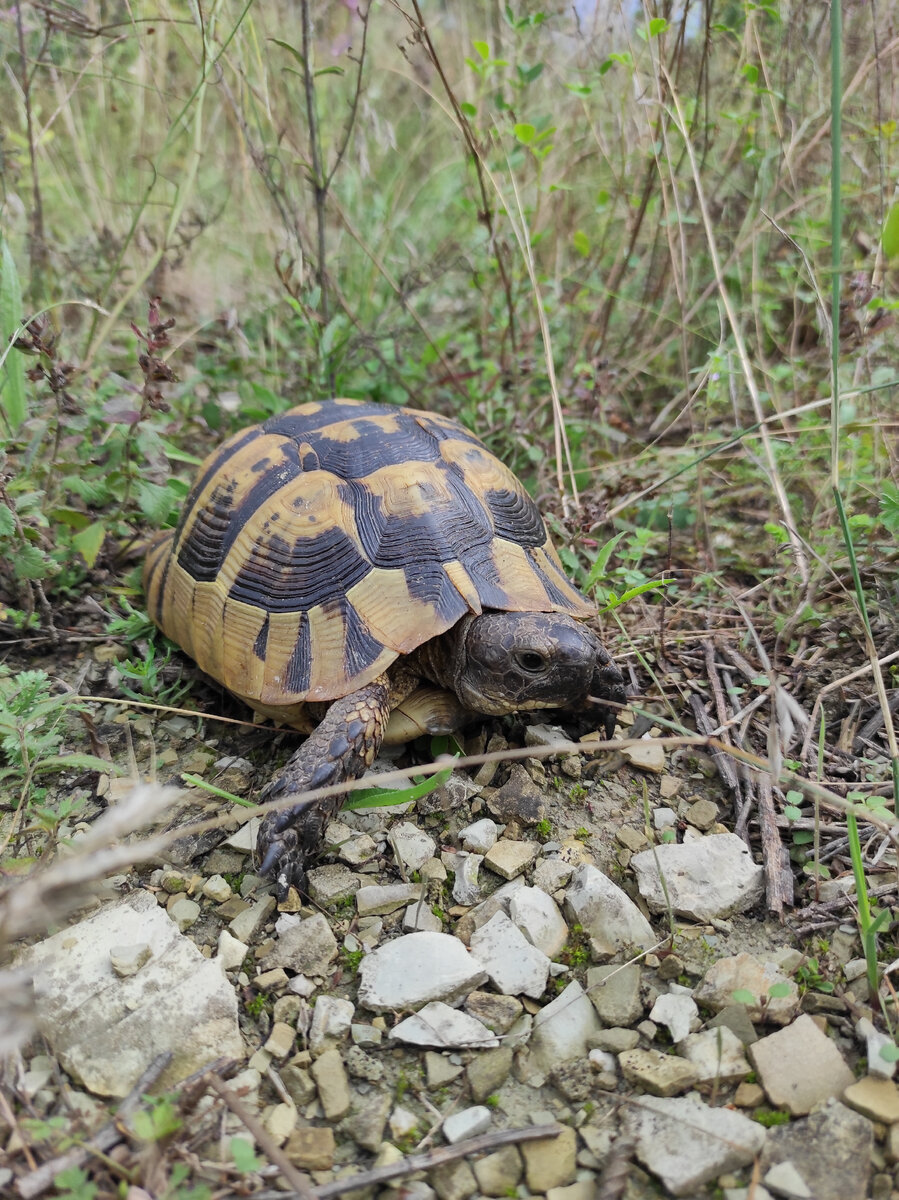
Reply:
x=366, y=573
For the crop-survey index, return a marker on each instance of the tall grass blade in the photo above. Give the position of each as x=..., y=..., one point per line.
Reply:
x=12, y=382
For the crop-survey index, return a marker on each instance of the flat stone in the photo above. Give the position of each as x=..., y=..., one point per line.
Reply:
x=366, y=1125
x=418, y=967
x=583, y=1189
x=332, y=883
x=647, y=756
x=443, y=1027
x=271, y=981
x=245, y=837
x=299, y=1084
x=552, y=874
x=498, y=1013
x=217, y=889
x=736, y=1018
x=332, y=1084
x=562, y=1027
x=800, y=1067
x=280, y=1121
x=365, y=1035
x=487, y=1072
x=331, y=1021
x=307, y=948
x=412, y=845
x=453, y=1181
x=614, y=992
x=247, y=925
x=787, y=1182
x=677, y=1012
x=312, y=1148
x=712, y=877
x=550, y=1162
x=576, y=1079
x=607, y=914
x=179, y=1000
x=466, y=1124
x=499, y=1173
x=280, y=1041
x=511, y=963
x=702, y=815
x=376, y=899
x=499, y=901
x=745, y=973
x=686, y=1143
x=830, y=1150
x=420, y=918
x=615, y=1040
x=874, y=1097
x=439, y=1071
x=509, y=859
x=540, y=920
x=715, y=1054
x=660, y=1074
x=479, y=837
x=518, y=799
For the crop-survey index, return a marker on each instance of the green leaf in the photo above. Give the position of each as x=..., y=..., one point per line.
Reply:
x=657, y=26
x=468, y=110
x=581, y=242
x=30, y=563
x=292, y=50
x=631, y=593
x=890, y=238
x=482, y=49
x=12, y=394
x=525, y=132
x=385, y=797
x=751, y=71
x=889, y=1052
x=579, y=89
x=600, y=563
x=792, y=813
x=89, y=542
x=778, y=990
x=7, y=522
x=743, y=996
x=155, y=501
x=74, y=762
x=242, y=1154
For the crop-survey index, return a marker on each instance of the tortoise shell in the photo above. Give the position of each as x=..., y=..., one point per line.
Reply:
x=317, y=547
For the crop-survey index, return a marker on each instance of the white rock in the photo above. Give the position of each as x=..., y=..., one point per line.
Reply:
x=443, y=1027
x=685, y=1143
x=479, y=837
x=539, y=919
x=513, y=965
x=466, y=888
x=402, y=1122
x=331, y=1020
x=217, y=888
x=676, y=1012
x=245, y=838
x=561, y=1029
x=552, y=874
x=874, y=1042
x=664, y=818
x=418, y=917
x=375, y=899
x=716, y=1054
x=105, y=1030
x=466, y=1124
x=416, y=968
x=128, y=960
x=786, y=1181
x=606, y=913
x=711, y=877
x=231, y=952
x=412, y=845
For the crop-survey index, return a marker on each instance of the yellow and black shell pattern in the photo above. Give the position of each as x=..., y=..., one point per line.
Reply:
x=316, y=548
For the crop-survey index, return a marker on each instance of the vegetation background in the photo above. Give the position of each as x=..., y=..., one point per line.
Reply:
x=647, y=252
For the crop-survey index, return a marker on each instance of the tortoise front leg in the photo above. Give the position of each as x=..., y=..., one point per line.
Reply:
x=342, y=747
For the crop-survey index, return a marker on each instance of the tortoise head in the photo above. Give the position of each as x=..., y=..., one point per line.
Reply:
x=513, y=661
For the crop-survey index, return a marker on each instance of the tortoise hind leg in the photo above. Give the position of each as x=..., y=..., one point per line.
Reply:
x=342, y=747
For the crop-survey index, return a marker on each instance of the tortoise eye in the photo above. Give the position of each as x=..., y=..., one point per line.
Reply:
x=530, y=660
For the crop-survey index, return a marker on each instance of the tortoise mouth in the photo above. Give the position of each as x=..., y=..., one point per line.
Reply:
x=513, y=662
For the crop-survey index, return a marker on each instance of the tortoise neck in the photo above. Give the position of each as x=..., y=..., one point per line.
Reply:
x=441, y=660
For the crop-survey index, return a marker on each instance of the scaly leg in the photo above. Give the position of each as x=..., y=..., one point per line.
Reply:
x=343, y=746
